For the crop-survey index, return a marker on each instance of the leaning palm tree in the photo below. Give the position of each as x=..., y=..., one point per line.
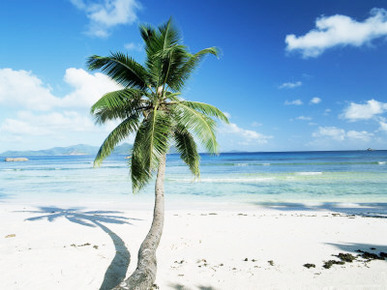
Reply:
x=149, y=105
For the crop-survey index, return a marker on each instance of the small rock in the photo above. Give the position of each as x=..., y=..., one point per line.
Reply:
x=330, y=263
x=346, y=257
x=271, y=262
x=309, y=266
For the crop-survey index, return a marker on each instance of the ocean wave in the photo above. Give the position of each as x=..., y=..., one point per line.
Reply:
x=309, y=173
x=223, y=180
x=338, y=163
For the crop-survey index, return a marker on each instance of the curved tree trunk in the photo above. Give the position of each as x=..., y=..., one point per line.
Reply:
x=144, y=276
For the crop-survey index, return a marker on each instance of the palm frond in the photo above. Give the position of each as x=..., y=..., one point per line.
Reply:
x=186, y=146
x=207, y=109
x=150, y=144
x=122, y=131
x=169, y=34
x=201, y=125
x=118, y=105
x=121, y=68
x=163, y=51
x=180, y=75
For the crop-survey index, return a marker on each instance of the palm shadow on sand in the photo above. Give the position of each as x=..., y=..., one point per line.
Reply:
x=376, y=209
x=116, y=271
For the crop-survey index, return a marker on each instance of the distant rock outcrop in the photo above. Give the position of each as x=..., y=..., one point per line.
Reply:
x=8, y=159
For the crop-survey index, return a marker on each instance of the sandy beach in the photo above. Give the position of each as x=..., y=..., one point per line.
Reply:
x=204, y=246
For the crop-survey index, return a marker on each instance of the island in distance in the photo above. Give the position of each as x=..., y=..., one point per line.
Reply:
x=80, y=149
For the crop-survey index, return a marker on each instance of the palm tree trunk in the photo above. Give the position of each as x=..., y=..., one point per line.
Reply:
x=144, y=276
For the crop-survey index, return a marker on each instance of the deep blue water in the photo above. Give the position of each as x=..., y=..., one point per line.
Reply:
x=343, y=176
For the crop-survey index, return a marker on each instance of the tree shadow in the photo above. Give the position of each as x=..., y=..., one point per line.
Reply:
x=354, y=247
x=117, y=269
x=377, y=210
x=362, y=248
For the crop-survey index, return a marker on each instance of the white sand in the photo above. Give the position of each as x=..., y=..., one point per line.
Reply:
x=200, y=249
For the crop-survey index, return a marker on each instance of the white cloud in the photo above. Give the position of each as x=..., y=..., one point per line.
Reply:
x=88, y=88
x=246, y=136
x=33, y=117
x=227, y=114
x=315, y=101
x=382, y=124
x=304, y=118
x=28, y=123
x=23, y=90
x=19, y=127
x=339, y=30
x=290, y=85
x=327, y=112
x=105, y=14
x=365, y=111
x=359, y=135
x=332, y=132
x=297, y=102
x=341, y=135
x=256, y=124
x=132, y=46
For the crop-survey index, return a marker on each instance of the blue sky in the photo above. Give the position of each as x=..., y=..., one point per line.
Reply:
x=293, y=75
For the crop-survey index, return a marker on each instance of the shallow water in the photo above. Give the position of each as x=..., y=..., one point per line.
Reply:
x=302, y=177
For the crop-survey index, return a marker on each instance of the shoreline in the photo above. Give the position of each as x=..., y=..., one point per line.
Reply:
x=227, y=246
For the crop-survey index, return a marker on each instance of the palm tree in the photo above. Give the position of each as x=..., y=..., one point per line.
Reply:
x=149, y=105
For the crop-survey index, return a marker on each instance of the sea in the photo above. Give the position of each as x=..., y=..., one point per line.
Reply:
x=286, y=180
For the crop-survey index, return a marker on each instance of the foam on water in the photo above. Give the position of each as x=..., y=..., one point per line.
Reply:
x=308, y=173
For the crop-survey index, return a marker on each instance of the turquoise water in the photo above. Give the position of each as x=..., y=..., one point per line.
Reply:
x=345, y=176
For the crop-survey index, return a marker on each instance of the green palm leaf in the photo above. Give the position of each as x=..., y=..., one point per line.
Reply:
x=186, y=146
x=118, y=105
x=182, y=73
x=121, y=68
x=122, y=131
x=149, y=103
x=200, y=124
x=150, y=144
x=207, y=109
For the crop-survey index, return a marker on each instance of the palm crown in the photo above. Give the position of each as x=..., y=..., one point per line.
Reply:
x=149, y=104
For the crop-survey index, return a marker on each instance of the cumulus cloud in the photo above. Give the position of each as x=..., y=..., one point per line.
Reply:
x=369, y=110
x=246, y=136
x=383, y=125
x=339, y=30
x=297, y=102
x=332, y=132
x=87, y=88
x=31, y=114
x=315, y=101
x=341, y=135
x=24, y=90
x=106, y=14
x=290, y=85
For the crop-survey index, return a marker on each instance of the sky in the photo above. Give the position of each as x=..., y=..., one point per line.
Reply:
x=292, y=75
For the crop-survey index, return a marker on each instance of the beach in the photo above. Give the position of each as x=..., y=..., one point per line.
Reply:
x=284, y=221
x=216, y=247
